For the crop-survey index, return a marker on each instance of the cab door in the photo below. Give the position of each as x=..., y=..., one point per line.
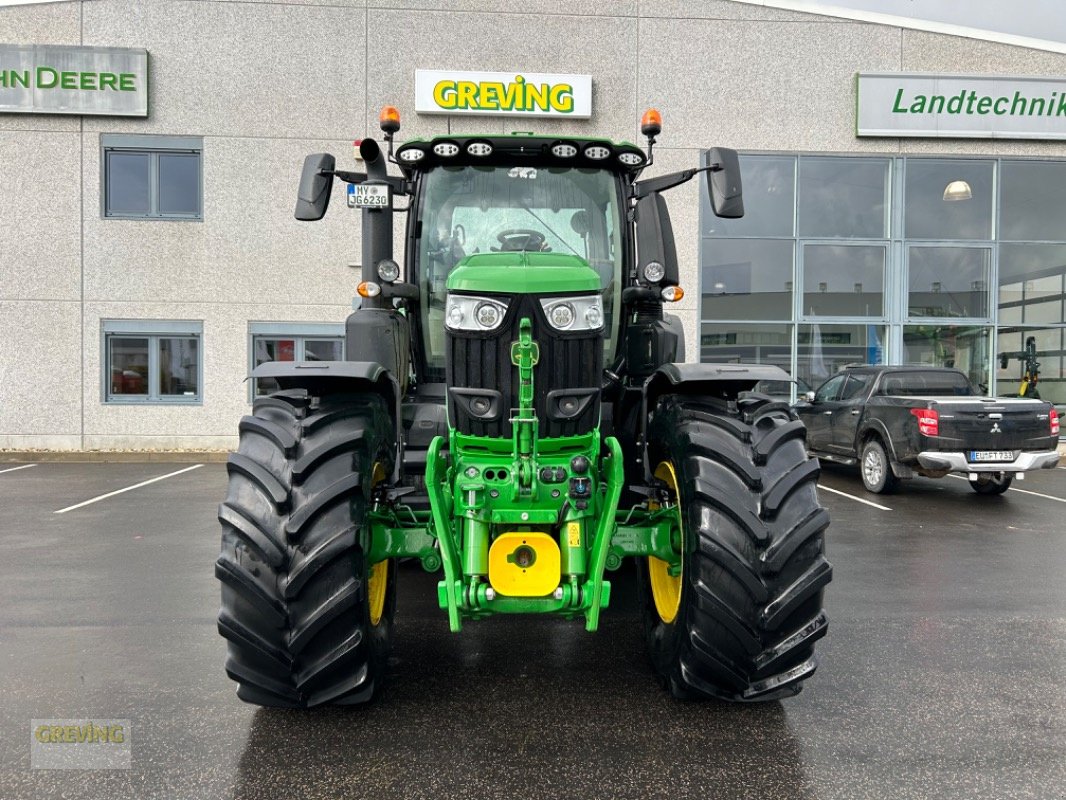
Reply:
x=844, y=421
x=817, y=415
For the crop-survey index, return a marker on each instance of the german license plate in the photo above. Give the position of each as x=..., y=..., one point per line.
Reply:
x=368, y=195
x=991, y=455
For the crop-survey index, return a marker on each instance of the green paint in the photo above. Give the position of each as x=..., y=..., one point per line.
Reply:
x=49, y=78
x=968, y=103
x=523, y=273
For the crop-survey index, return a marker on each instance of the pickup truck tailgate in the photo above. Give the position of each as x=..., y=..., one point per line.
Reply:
x=992, y=424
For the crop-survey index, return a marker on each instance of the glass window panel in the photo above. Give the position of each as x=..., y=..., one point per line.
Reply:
x=127, y=189
x=948, y=281
x=963, y=347
x=179, y=183
x=1047, y=312
x=323, y=350
x=271, y=349
x=1032, y=200
x=1044, y=287
x=927, y=215
x=824, y=349
x=843, y=280
x=842, y=197
x=1010, y=292
x=747, y=279
x=857, y=384
x=1032, y=269
x=746, y=344
x=769, y=191
x=179, y=366
x=830, y=390
x=1010, y=315
x=127, y=365
x=1050, y=354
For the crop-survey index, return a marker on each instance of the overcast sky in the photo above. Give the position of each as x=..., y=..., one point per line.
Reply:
x=1038, y=19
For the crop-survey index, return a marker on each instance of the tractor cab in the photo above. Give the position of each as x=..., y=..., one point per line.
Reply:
x=515, y=194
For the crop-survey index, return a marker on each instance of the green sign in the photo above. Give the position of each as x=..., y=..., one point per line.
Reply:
x=54, y=79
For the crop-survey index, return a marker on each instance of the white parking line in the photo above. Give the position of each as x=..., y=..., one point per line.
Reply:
x=853, y=497
x=127, y=489
x=12, y=469
x=1023, y=491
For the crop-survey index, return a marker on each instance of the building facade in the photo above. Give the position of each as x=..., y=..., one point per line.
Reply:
x=148, y=262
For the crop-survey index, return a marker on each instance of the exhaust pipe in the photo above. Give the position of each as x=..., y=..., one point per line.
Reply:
x=377, y=222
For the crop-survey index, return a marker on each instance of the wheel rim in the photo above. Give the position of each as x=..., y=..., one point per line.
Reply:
x=872, y=467
x=666, y=588
x=378, y=575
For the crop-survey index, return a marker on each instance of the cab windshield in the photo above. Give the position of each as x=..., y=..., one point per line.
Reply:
x=468, y=210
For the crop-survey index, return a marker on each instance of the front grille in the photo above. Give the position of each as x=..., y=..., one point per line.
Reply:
x=568, y=361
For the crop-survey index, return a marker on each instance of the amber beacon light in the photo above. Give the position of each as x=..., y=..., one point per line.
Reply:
x=389, y=119
x=651, y=124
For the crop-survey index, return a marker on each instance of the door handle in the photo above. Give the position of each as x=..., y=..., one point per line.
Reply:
x=854, y=412
x=827, y=413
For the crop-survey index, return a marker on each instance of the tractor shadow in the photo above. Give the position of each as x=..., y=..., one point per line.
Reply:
x=521, y=708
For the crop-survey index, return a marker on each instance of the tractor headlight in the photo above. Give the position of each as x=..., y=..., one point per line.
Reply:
x=388, y=270
x=574, y=313
x=467, y=313
x=561, y=315
x=654, y=272
x=488, y=315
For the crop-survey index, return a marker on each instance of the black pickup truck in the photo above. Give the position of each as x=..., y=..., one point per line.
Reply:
x=898, y=422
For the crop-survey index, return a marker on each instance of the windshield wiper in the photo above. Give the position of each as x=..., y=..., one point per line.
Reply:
x=551, y=230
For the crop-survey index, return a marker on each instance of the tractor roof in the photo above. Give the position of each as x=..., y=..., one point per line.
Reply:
x=518, y=149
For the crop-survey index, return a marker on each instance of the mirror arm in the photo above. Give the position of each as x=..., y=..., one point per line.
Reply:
x=669, y=181
x=348, y=177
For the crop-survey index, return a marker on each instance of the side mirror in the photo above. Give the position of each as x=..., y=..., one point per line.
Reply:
x=316, y=181
x=808, y=396
x=655, y=238
x=723, y=182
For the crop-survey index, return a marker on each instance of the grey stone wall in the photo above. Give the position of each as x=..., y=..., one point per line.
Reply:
x=265, y=83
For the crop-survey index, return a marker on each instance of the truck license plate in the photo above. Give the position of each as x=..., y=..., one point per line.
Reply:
x=364, y=195
x=991, y=455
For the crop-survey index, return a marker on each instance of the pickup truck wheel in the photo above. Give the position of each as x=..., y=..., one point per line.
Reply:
x=992, y=483
x=739, y=619
x=876, y=470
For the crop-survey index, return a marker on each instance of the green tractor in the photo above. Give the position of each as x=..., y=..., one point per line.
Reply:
x=516, y=416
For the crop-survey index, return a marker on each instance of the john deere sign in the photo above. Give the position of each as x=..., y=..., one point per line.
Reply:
x=507, y=94
x=961, y=106
x=53, y=79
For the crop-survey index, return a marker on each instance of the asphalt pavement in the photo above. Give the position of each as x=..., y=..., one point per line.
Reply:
x=942, y=676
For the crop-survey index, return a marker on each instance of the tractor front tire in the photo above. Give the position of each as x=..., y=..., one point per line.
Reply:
x=307, y=619
x=740, y=621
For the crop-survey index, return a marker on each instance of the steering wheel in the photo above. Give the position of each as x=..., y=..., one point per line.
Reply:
x=517, y=239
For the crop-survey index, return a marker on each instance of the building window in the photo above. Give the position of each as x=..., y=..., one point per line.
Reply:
x=152, y=361
x=151, y=177
x=948, y=281
x=823, y=350
x=293, y=341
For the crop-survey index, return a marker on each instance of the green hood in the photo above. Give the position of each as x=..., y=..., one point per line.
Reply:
x=523, y=273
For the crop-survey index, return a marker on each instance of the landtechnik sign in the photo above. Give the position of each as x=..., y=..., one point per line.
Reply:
x=507, y=94
x=954, y=106
x=56, y=79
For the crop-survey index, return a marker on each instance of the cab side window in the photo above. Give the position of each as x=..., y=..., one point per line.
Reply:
x=830, y=389
x=856, y=386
